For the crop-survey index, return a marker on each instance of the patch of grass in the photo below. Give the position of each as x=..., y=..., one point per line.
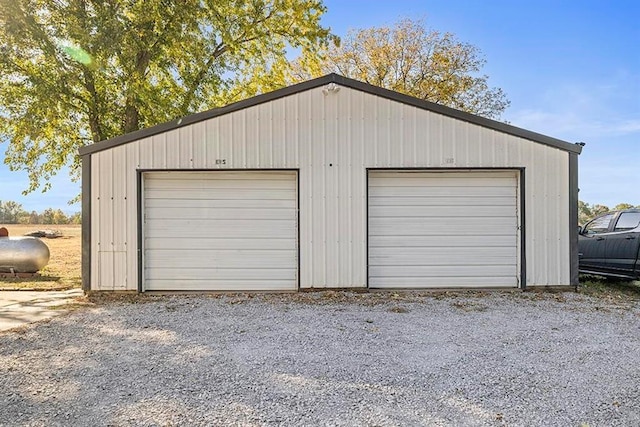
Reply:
x=103, y=298
x=616, y=289
x=64, y=268
x=78, y=304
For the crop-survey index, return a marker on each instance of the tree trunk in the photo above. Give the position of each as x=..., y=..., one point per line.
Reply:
x=131, y=111
x=131, y=117
x=97, y=134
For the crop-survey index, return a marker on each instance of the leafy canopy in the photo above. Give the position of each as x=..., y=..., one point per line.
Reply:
x=412, y=59
x=587, y=212
x=80, y=71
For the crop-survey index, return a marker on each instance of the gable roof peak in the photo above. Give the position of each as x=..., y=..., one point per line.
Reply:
x=342, y=81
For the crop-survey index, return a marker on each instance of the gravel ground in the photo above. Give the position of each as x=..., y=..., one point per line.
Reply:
x=329, y=359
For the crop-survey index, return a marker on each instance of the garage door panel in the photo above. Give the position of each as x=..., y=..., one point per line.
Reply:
x=160, y=176
x=443, y=200
x=218, y=285
x=441, y=256
x=220, y=231
x=229, y=258
x=453, y=226
x=431, y=229
x=258, y=229
x=442, y=259
x=459, y=271
x=438, y=282
x=177, y=185
x=186, y=203
x=226, y=274
x=452, y=192
x=197, y=243
x=444, y=241
x=410, y=180
x=215, y=213
x=426, y=211
x=223, y=194
x=448, y=175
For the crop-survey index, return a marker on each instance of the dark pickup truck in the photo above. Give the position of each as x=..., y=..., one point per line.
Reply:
x=609, y=245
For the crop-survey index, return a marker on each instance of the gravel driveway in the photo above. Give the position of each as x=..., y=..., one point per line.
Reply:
x=329, y=359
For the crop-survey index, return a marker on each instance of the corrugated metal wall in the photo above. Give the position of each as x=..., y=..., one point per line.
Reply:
x=331, y=139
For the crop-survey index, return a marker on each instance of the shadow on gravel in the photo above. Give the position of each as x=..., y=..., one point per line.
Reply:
x=276, y=361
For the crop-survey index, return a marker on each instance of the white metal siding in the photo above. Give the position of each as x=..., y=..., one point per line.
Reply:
x=220, y=231
x=331, y=139
x=443, y=229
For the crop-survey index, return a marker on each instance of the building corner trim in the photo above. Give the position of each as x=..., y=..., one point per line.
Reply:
x=573, y=219
x=140, y=230
x=86, y=222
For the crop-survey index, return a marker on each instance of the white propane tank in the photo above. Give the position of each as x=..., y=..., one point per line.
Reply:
x=22, y=254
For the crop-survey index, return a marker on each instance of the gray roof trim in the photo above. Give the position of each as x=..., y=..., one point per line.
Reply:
x=320, y=81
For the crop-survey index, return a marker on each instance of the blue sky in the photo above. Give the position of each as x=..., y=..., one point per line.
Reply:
x=571, y=70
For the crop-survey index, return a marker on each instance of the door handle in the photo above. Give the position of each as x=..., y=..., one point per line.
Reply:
x=630, y=237
x=599, y=238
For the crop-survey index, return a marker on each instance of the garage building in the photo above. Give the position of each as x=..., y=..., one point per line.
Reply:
x=331, y=183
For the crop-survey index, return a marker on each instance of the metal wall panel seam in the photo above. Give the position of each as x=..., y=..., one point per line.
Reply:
x=95, y=220
x=325, y=220
x=270, y=133
x=165, y=151
x=133, y=154
x=174, y=147
x=336, y=163
x=549, y=225
x=105, y=242
x=533, y=206
x=551, y=233
x=465, y=137
x=309, y=266
x=329, y=198
x=120, y=214
x=243, y=138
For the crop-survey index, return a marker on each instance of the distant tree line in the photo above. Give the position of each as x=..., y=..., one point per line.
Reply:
x=587, y=212
x=12, y=213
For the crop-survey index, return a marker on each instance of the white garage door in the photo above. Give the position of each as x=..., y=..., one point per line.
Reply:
x=220, y=231
x=443, y=229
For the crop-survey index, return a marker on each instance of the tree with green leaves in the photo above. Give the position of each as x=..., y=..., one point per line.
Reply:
x=412, y=59
x=622, y=206
x=587, y=212
x=82, y=71
x=10, y=211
